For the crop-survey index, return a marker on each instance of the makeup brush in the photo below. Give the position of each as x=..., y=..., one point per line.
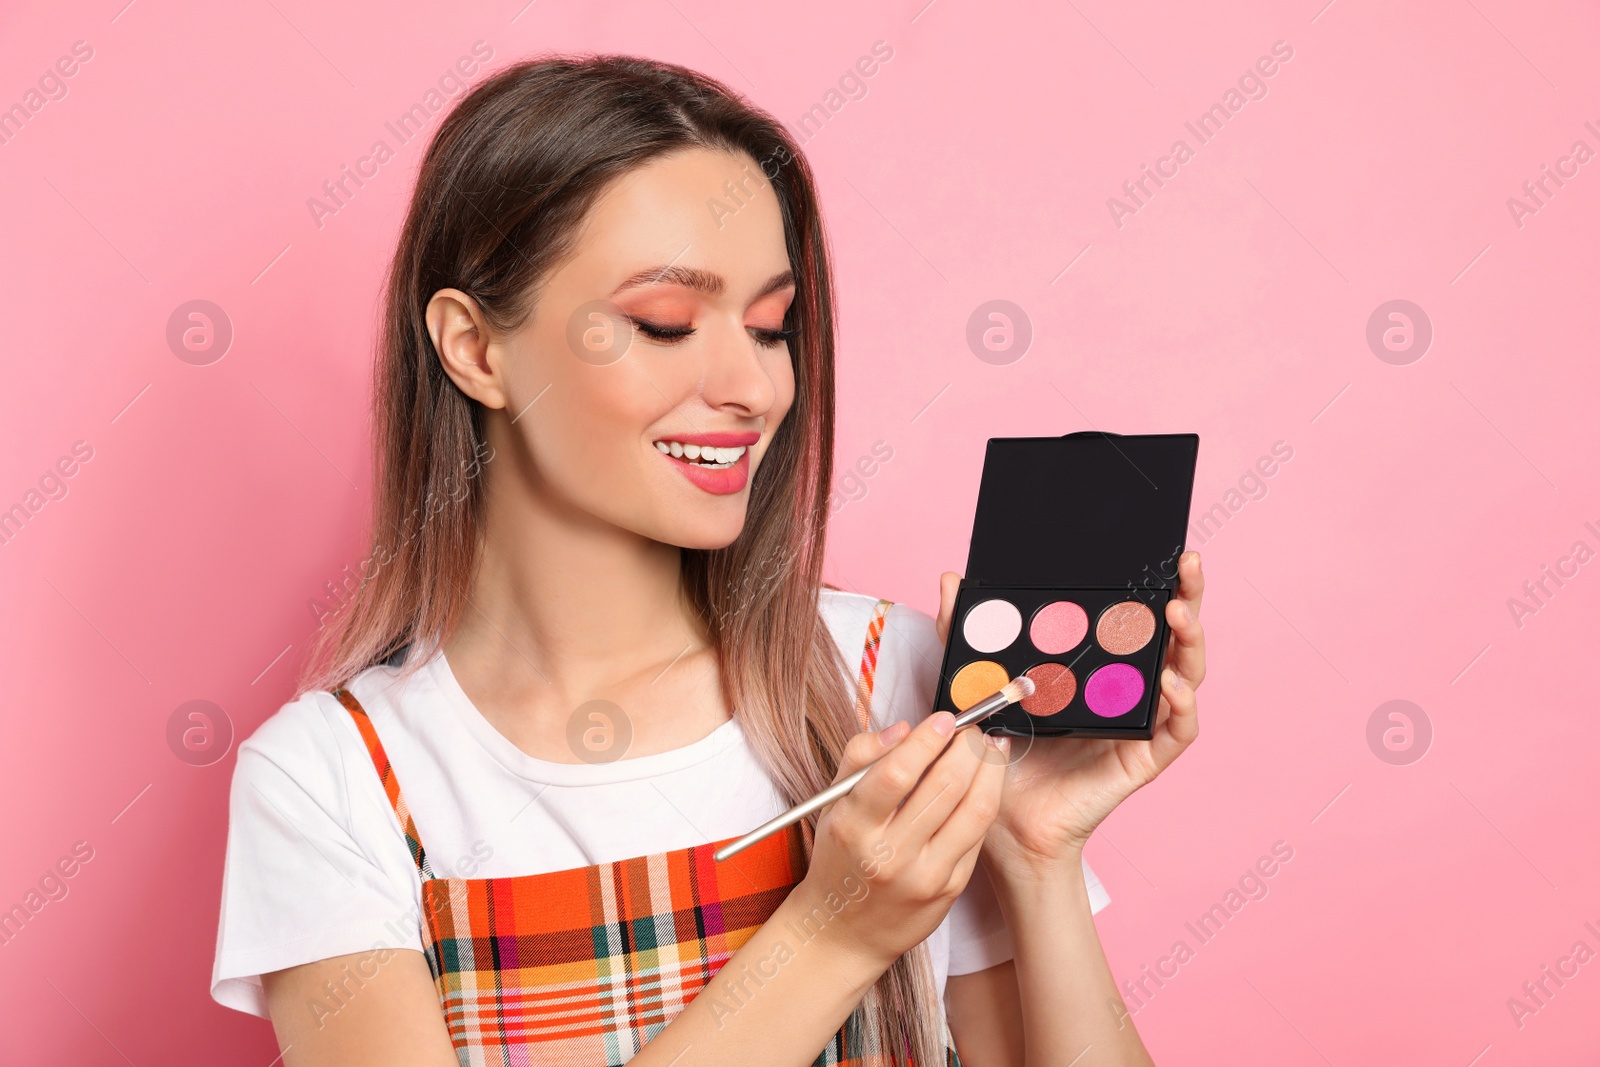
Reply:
x=1010, y=693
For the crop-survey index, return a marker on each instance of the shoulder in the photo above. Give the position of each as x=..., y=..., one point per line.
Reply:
x=316, y=863
x=848, y=615
x=301, y=738
x=909, y=652
x=308, y=750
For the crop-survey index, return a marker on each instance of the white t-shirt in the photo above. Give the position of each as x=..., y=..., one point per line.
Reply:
x=317, y=865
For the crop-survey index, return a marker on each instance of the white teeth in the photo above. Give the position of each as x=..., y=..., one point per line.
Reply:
x=702, y=455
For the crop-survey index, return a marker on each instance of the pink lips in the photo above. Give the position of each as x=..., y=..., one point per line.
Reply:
x=719, y=482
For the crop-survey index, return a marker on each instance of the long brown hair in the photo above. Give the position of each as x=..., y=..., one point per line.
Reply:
x=507, y=179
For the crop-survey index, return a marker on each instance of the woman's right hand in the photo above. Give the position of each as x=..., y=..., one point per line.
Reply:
x=884, y=874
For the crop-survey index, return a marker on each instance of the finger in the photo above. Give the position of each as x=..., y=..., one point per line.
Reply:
x=1182, y=724
x=961, y=873
x=894, y=776
x=1187, y=653
x=965, y=827
x=949, y=582
x=1191, y=581
x=942, y=787
x=866, y=747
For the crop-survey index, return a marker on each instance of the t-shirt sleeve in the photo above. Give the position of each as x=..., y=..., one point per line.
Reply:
x=316, y=864
x=908, y=674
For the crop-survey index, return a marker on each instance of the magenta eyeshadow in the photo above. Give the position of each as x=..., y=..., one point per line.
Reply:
x=1113, y=690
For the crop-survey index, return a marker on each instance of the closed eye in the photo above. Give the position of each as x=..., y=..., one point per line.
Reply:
x=661, y=333
x=772, y=338
x=673, y=334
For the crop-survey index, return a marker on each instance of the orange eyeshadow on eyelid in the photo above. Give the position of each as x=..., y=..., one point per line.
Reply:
x=660, y=309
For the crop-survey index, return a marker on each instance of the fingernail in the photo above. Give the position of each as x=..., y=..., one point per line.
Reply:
x=1002, y=742
x=1188, y=613
x=893, y=734
x=944, y=723
x=1177, y=682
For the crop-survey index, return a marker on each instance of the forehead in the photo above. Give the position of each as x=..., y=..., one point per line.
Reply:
x=703, y=207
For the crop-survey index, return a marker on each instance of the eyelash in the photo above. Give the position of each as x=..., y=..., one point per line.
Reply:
x=670, y=334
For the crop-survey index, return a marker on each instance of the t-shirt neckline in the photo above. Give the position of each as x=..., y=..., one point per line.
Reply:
x=548, y=772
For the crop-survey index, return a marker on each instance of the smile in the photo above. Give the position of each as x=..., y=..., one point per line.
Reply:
x=718, y=463
x=707, y=456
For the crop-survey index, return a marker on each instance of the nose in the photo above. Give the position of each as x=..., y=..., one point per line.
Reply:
x=737, y=378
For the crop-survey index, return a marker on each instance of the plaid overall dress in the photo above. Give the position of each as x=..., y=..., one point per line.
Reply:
x=580, y=968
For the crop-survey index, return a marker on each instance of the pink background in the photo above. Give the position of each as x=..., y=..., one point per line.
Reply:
x=219, y=499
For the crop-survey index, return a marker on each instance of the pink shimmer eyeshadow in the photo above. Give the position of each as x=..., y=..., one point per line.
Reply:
x=1113, y=690
x=1058, y=627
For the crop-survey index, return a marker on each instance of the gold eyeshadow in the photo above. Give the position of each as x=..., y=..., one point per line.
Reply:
x=1125, y=627
x=1073, y=559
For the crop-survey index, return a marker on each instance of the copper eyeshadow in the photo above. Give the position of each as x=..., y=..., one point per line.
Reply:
x=1054, y=686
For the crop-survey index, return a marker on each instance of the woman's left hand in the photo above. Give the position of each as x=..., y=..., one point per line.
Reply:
x=1060, y=788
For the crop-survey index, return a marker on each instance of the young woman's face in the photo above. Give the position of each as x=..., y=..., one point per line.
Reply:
x=648, y=383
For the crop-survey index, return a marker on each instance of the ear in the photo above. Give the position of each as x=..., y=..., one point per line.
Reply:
x=949, y=582
x=460, y=336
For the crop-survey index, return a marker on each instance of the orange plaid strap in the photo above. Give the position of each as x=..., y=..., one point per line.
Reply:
x=869, y=664
x=391, y=785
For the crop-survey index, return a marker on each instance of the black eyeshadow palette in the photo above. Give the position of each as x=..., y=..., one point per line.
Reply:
x=1074, y=555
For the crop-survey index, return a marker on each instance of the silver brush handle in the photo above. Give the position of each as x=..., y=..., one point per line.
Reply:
x=982, y=709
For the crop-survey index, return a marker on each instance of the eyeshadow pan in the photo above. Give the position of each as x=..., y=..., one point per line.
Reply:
x=991, y=626
x=1125, y=628
x=1058, y=627
x=1113, y=690
x=1054, y=686
x=976, y=680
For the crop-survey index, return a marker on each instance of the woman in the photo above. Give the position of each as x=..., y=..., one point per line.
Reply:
x=591, y=643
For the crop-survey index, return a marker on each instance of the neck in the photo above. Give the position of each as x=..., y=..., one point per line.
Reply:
x=564, y=605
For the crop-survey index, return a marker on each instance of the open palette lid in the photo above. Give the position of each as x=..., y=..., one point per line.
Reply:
x=1083, y=510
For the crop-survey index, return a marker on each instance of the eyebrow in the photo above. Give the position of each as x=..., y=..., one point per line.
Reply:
x=702, y=281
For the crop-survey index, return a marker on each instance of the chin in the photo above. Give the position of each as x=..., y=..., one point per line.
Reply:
x=704, y=532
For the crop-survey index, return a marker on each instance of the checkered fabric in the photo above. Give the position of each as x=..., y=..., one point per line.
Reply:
x=582, y=967
x=868, y=674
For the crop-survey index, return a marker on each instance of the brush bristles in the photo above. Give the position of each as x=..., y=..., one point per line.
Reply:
x=1017, y=689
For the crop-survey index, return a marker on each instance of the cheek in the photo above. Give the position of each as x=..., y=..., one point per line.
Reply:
x=598, y=413
x=572, y=413
x=783, y=387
